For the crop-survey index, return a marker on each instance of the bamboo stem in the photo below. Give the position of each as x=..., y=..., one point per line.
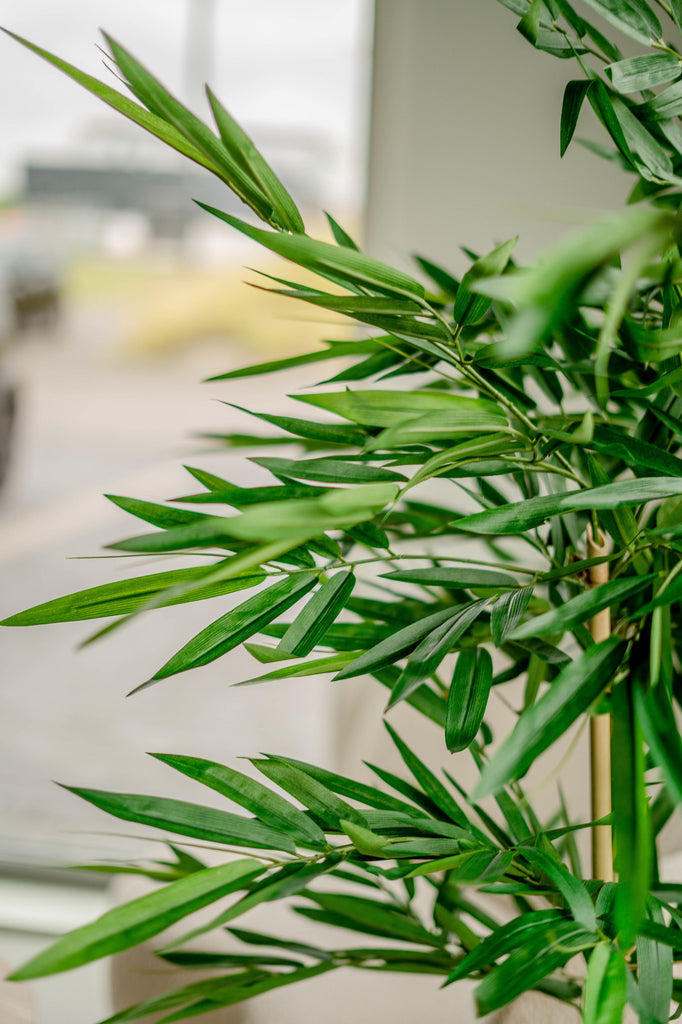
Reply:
x=600, y=729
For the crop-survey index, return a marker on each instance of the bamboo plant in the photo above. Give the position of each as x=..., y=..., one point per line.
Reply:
x=486, y=505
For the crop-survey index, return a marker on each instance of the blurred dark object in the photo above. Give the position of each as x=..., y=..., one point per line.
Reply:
x=8, y=403
x=32, y=288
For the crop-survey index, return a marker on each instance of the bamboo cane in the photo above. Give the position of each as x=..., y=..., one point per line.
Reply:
x=600, y=730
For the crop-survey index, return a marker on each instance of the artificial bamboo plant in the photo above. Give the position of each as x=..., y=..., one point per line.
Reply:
x=489, y=493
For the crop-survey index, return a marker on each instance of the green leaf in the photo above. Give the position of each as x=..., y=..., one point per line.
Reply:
x=654, y=712
x=655, y=968
x=159, y=101
x=576, y=611
x=354, y=790
x=526, y=515
x=327, y=470
x=437, y=426
x=470, y=308
x=320, y=257
x=507, y=612
x=455, y=579
x=227, y=990
x=313, y=794
x=154, y=124
x=529, y=26
x=366, y=842
x=644, y=72
x=188, y=819
x=331, y=433
x=574, y=95
x=360, y=914
x=139, y=920
x=468, y=698
x=426, y=658
x=269, y=807
x=330, y=663
x=431, y=786
x=125, y=596
x=396, y=646
x=575, y=894
x=530, y=964
x=633, y=17
x=244, y=153
x=390, y=408
x=605, y=986
x=676, y=9
x=504, y=940
x=573, y=691
x=317, y=615
x=335, y=350
x=640, y=455
x=237, y=625
x=341, y=237
x=631, y=823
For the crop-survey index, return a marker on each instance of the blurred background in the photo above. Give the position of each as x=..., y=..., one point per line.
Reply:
x=410, y=122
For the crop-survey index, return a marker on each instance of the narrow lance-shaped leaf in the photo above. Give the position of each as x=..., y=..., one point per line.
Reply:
x=507, y=612
x=525, y=515
x=605, y=986
x=570, y=695
x=312, y=793
x=430, y=785
x=631, y=824
x=188, y=819
x=643, y=72
x=244, y=153
x=351, y=266
x=125, y=596
x=468, y=698
x=238, y=625
x=426, y=658
x=269, y=807
x=138, y=921
x=574, y=95
x=633, y=17
x=576, y=611
x=317, y=615
x=470, y=308
x=394, y=647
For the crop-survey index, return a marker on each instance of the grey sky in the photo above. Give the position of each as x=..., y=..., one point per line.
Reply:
x=296, y=64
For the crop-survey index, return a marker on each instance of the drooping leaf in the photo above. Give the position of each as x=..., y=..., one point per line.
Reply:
x=468, y=698
x=456, y=578
x=633, y=17
x=268, y=806
x=507, y=612
x=576, y=611
x=312, y=793
x=631, y=823
x=431, y=786
x=188, y=819
x=605, y=986
x=569, y=696
x=340, y=261
x=125, y=596
x=525, y=515
x=317, y=615
x=574, y=95
x=237, y=625
x=644, y=72
x=426, y=658
x=135, y=922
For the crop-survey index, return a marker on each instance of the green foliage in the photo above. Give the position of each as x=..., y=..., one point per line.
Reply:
x=433, y=535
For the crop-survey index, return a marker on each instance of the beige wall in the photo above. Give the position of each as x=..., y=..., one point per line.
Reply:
x=464, y=146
